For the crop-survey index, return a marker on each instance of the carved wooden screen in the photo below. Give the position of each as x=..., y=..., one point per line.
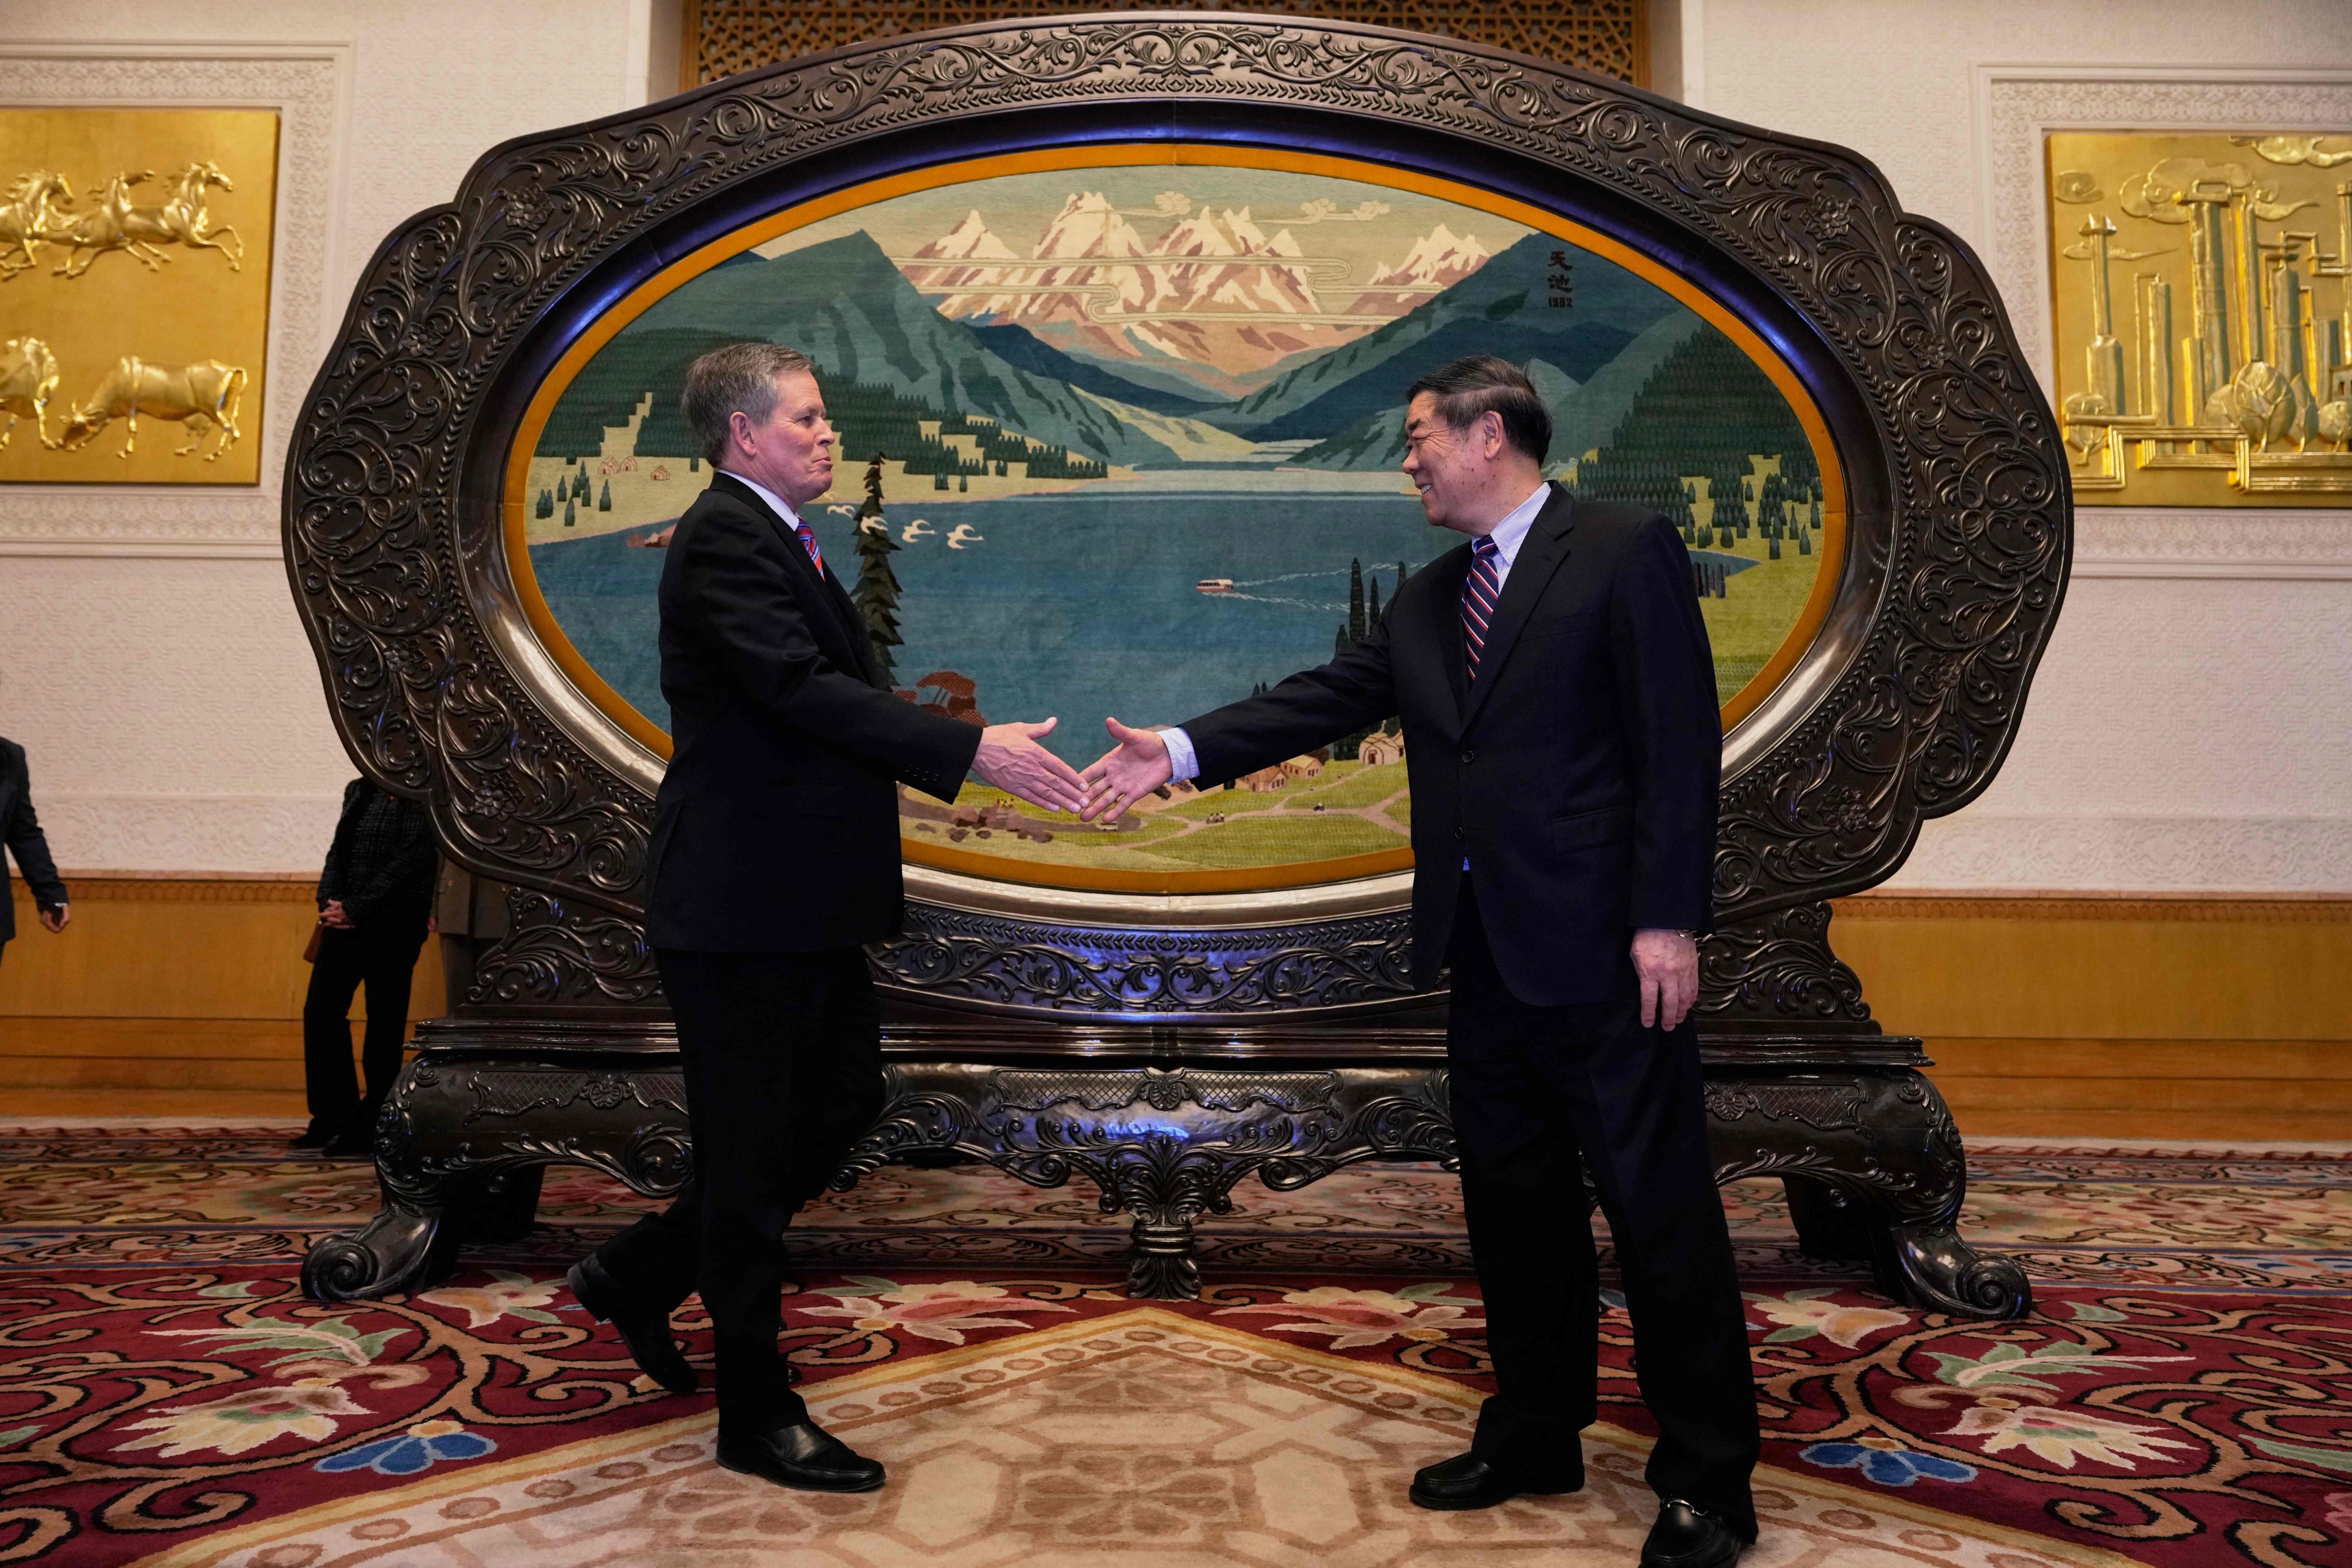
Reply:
x=724, y=37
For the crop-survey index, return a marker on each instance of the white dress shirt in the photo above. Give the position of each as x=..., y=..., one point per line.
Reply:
x=1184, y=763
x=782, y=507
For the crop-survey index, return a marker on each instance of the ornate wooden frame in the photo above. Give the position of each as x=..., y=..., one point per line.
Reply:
x=1958, y=537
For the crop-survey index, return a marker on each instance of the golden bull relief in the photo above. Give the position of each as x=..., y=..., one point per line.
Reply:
x=134, y=286
x=2203, y=316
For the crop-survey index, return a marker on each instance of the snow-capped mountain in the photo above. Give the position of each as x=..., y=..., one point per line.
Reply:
x=970, y=242
x=1095, y=285
x=1437, y=260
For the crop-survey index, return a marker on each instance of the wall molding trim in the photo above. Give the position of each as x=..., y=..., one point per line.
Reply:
x=183, y=887
x=308, y=84
x=1963, y=904
x=2274, y=544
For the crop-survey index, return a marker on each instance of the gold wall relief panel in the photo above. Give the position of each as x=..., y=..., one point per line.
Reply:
x=724, y=37
x=134, y=293
x=2203, y=314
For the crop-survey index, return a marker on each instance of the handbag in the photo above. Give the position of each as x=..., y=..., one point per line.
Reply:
x=310, y=951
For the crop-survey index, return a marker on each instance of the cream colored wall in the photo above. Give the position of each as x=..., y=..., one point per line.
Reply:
x=149, y=658
x=2185, y=729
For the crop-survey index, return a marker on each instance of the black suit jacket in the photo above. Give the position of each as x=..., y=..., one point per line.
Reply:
x=776, y=828
x=1578, y=777
x=21, y=831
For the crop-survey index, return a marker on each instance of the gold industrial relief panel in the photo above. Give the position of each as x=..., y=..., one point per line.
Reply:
x=2203, y=316
x=134, y=293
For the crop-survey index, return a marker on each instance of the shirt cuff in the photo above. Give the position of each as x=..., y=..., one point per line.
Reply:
x=1184, y=763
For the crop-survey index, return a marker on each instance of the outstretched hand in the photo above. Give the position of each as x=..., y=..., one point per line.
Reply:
x=1011, y=759
x=1127, y=773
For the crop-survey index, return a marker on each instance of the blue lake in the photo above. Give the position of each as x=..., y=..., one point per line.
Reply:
x=1077, y=605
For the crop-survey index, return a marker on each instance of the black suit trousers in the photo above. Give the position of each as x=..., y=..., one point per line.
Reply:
x=783, y=1054
x=1536, y=1093
x=380, y=953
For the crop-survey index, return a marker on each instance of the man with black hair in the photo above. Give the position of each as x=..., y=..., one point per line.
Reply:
x=1560, y=726
x=375, y=905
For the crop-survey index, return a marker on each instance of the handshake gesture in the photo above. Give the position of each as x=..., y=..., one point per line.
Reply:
x=1011, y=759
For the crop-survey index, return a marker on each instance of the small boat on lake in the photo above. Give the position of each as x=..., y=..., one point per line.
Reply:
x=1215, y=584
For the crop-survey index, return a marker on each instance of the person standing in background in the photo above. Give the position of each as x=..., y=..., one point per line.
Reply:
x=21, y=831
x=376, y=901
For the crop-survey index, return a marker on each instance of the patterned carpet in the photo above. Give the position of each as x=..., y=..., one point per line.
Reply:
x=2182, y=1395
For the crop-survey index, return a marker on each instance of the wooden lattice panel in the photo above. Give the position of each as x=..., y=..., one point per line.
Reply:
x=725, y=37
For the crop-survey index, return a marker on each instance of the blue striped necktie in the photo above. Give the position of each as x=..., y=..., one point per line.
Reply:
x=1480, y=589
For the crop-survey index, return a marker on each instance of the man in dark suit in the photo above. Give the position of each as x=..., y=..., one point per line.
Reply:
x=774, y=858
x=1563, y=742
x=20, y=829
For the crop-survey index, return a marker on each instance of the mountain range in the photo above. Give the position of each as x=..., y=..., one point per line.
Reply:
x=1504, y=304
x=861, y=318
x=1095, y=285
x=1584, y=415
x=844, y=304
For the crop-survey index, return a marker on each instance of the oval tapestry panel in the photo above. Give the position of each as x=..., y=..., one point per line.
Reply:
x=1119, y=433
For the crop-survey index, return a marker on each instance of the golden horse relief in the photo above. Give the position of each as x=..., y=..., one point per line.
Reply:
x=202, y=397
x=29, y=378
x=29, y=214
x=121, y=223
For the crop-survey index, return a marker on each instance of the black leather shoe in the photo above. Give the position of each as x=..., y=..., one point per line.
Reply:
x=1466, y=1480
x=806, y=1457
x=1686, y=1538
x=645, y=1333
x=356, y=1141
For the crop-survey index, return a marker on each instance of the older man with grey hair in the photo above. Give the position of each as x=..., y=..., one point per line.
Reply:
x=774, y=860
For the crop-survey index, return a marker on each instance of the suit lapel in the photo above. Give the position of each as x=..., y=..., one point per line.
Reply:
x=1541, y=553
x=828, y=589
x=1446, y=573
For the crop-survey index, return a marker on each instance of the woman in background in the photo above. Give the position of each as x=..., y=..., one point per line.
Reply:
x=375, y=898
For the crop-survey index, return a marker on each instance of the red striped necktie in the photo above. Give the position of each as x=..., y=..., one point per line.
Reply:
x=808, y=542
x=1480, y=589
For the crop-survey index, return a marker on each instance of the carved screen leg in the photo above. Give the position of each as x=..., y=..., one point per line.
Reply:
x=1875, y=1171
x=465, y=1143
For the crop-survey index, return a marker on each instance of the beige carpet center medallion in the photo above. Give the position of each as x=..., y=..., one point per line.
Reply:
x=1143, y=1439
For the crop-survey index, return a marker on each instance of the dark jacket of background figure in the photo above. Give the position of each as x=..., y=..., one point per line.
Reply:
x=384, y=858
x=776, y=828
x=21, y=831
x=1580, y=774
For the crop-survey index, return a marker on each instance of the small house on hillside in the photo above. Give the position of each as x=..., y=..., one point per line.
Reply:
x=1264, y=779
x=1303, y=767
x=1379, y=751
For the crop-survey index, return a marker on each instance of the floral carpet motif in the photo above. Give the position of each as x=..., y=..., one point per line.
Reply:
x=2182, y=1395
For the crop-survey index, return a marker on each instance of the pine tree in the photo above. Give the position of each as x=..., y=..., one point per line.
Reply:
x=604, y=498
x=1372, y=603
x=877, y=585
x=1355, y=601
x=546, y=507
x=963, y=482
x=570, y=514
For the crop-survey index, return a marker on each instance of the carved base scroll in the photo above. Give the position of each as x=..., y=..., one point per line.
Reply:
x=1868, y=1153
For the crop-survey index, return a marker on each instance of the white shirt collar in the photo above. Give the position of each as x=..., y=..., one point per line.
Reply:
x=1512, y=531
x=783, y=507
